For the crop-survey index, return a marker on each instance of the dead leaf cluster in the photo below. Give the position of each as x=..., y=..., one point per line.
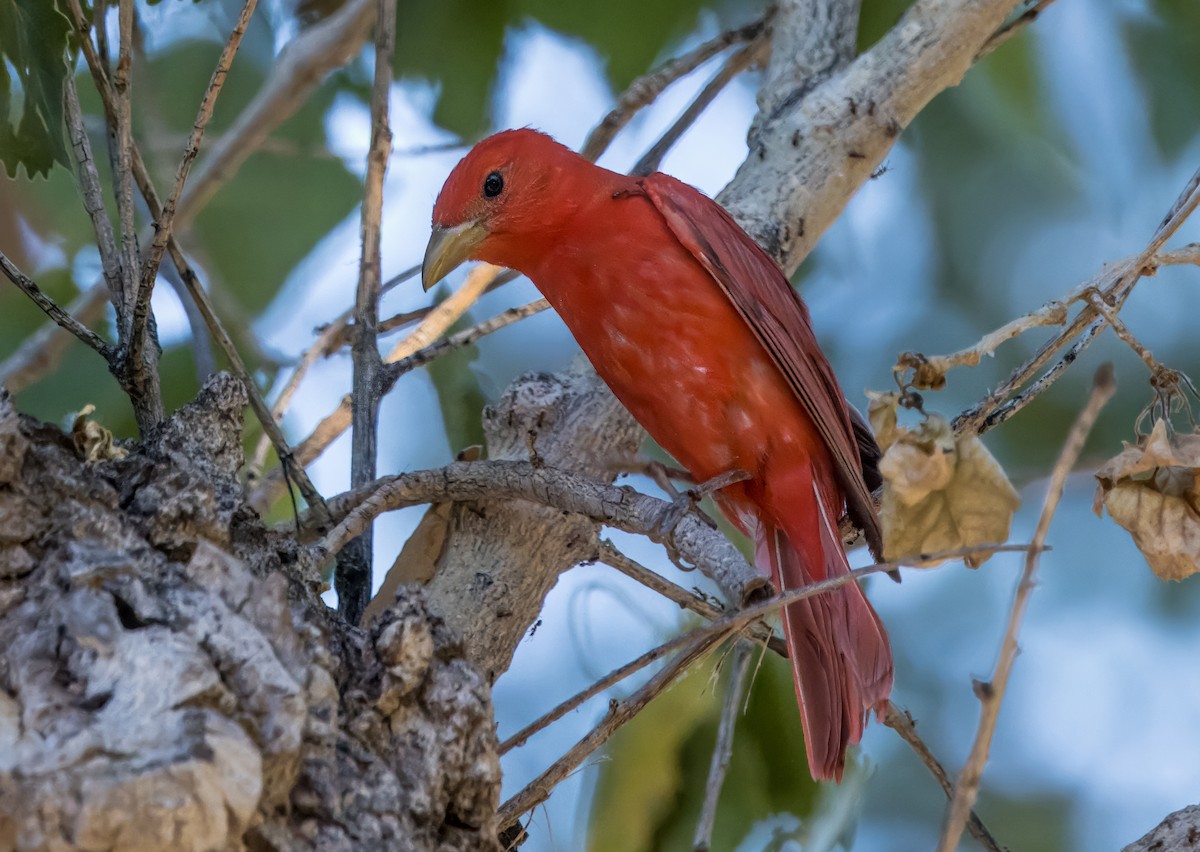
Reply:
x=1152, y=489
x=940, y=491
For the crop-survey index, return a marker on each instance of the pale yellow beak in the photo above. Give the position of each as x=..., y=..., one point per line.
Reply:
x=448, y=248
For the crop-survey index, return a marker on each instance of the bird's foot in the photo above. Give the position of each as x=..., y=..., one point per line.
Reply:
x=686, y=502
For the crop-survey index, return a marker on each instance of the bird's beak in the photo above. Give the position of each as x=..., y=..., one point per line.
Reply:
x=449, y=247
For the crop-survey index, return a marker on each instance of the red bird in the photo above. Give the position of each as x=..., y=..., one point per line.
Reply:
x=700, y=335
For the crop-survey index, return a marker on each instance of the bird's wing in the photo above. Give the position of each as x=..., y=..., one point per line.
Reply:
x=763, y=296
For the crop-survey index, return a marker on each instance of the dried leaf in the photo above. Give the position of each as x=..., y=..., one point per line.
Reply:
x=1153, y=491
x=92, y=441
x=940, y=492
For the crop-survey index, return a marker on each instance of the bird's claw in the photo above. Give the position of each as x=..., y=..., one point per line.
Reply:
x=687, y=502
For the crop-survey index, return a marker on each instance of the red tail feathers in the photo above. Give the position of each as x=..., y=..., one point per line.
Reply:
x=841, y=659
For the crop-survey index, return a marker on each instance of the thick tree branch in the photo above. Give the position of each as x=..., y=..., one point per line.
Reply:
x=811, y=149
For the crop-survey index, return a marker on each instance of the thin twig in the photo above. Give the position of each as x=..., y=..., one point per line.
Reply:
x=43, y=350
x=52, y=310
x=578, y=699
x=432, y=327
x=330, y=337
x=300, y=68
x=645, y=90
x=691, y=601
x=164, y=224
x=692, y=645
x=901, y=721
x=1115, y=285
x=463, y=339
x=538, y=790
x=93, y=192
x=991, y=694
x=1122, y=331
x=352, y=578
x=739, y=62
x=739, y=665
x=120, y=148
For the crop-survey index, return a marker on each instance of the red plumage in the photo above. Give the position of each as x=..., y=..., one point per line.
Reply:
x=700, y=335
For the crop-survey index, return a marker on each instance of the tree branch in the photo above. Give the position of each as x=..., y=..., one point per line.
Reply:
x=739, y=665
x=991, y=694
x=901, y=721
x=353, y=576
x=27, y=286
x=618, y=507
x=165, y=222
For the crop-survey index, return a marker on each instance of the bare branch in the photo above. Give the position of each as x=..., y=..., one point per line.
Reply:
x=301, y=67
x=165, y=222
x=580, y=698
x=462, y=339
x=689, y=600
x=52, y=310
x=739, y=62
x=118, y=98
x=811, y=148
x=812, y=39
x=1114, y=285
x=692, y=646
x=93, y=192
x=901, y=721
x=41, y=352
x=353, y=575
x=991, y=694
x=538, y=790
x=619, y=507
x=645, y=90
x=739, y=665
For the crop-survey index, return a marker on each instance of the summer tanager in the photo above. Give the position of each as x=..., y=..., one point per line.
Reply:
x=700, y=335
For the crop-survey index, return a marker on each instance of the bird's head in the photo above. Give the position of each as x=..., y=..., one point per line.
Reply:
x=507, y=189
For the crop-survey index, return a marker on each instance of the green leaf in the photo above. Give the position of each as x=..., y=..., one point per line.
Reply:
x=33, y=45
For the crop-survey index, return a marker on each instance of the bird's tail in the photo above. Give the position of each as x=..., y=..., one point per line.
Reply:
x=841, y=659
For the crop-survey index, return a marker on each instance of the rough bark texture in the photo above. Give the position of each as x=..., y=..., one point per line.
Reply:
x=1178, y=832
x=490, y=587
x=169, y=678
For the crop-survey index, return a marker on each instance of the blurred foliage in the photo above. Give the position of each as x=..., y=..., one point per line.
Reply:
x=1165, y=45
x=652, y=786
x=33, y=44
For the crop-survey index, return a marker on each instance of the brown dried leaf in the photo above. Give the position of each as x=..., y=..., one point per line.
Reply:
x=1153, y=491
x=92, y=441
x=939, y=492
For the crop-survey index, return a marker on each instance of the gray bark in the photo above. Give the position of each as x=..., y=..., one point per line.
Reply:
x=170, y=679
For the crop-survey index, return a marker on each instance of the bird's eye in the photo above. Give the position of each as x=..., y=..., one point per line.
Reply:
x=493, y=185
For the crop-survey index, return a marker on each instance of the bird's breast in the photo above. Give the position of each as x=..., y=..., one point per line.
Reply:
x=675, y=351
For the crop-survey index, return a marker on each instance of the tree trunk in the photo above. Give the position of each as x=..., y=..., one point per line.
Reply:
x=169, y=677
